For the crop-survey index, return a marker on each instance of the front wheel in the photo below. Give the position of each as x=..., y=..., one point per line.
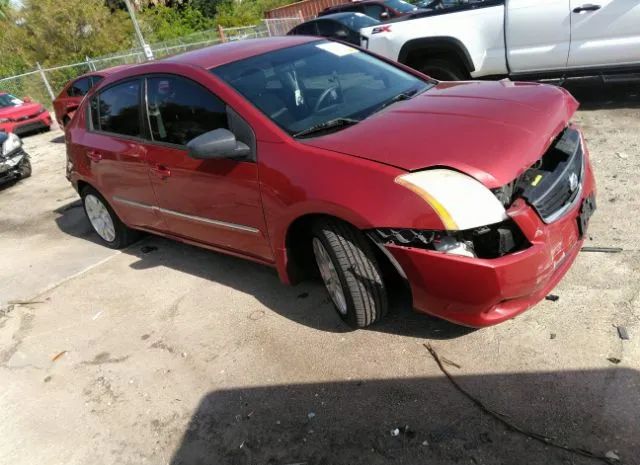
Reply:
x=443, y=70
x=350, y=272
x=113, y=232
x=25, y=168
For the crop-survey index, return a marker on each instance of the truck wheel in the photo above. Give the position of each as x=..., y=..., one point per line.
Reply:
x=104, y=221
x=25, y=168
x=443, y=70
x=350, y=272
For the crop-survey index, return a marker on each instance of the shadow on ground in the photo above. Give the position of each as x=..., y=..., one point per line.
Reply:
x=351, y=422
x=593, y=94
x=307, y=303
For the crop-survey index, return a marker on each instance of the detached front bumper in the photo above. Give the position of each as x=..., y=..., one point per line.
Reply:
x=23, y=126
x=482, y=292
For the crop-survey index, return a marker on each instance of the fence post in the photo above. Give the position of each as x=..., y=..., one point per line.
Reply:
x=221, y=32
x=46, y=83
x=90, y=64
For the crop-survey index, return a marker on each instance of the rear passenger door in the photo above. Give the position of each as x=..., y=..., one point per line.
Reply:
x=216, y=201
x=604, y=33
x=116, y=153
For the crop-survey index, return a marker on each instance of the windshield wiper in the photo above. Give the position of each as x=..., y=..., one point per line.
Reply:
x=398, y=98
x=327, y=125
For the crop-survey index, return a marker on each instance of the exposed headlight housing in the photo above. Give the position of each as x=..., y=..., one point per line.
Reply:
x=12, y=143
x=460, y=201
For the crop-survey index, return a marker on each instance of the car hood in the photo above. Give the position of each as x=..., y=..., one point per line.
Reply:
x=492, y=131
x=26, y=109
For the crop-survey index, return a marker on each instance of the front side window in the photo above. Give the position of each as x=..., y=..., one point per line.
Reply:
x=79, y=88
x=313, y=84
x=8, y=100
x=117, y=109
x=180, y=110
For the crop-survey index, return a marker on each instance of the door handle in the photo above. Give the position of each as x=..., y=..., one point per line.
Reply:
x=94, y=156
x=161, y=171
x=586, y=7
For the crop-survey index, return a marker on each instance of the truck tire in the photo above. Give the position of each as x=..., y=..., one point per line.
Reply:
x=350, y=272
x=443, y=70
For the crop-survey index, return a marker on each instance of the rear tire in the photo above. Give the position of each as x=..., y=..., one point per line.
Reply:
x=350, y=272
x=104, y=221
x=443, y=70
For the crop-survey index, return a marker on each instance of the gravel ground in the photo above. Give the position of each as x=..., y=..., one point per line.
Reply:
x=183, y=356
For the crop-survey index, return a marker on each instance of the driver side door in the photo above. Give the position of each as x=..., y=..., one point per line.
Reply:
x=215, y=202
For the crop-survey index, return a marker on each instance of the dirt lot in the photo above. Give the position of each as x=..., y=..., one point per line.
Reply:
x=183, y=356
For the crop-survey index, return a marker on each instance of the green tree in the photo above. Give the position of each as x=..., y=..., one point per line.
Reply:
x=162, y=22
x=53, y=32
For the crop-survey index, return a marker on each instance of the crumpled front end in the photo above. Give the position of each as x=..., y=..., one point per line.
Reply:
x=487, y=275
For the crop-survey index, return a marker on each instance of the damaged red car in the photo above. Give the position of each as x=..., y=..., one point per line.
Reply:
x=314, y=157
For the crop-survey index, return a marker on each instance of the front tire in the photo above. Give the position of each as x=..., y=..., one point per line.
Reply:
x=350, y=272
x=104, y=221
x=443, y=70
x=25, y=168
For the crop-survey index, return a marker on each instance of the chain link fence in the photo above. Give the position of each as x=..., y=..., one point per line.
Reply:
x=43, y=84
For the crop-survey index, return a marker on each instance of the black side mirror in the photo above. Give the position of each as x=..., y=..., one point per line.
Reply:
x=219, y=143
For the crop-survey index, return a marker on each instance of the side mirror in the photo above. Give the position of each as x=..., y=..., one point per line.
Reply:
x=219, y=143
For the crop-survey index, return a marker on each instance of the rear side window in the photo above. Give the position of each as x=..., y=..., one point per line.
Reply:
x=117, y=109
x=180, y=110
x=95, y=80
x=79, y=88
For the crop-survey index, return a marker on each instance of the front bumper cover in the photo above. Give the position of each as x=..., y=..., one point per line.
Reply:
x=482, y=292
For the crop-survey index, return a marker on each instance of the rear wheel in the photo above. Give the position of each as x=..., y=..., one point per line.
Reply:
x=350, y=272
x=113, y=232
x=443, y=70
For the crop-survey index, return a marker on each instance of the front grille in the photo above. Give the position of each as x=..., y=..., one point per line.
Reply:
x=553, y=183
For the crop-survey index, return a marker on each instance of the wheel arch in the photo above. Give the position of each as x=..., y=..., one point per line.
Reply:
x=298, y=262
x=416, y=49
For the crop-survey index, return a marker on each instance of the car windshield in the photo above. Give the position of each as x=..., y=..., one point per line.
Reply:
x=319, y=83
x=400, y=5
x=357, y=21
x=8, y=100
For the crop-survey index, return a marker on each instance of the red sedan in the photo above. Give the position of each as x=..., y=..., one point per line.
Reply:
x=309, y=155
x=69, y=98
x=22, y=116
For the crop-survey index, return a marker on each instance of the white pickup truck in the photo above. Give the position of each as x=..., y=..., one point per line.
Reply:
x=532, y=39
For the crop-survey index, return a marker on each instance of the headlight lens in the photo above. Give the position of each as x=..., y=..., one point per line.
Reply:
x=12, y=143
x=460, y=201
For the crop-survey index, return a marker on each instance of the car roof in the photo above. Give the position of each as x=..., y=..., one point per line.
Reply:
x=216, y=55
x=102, y=72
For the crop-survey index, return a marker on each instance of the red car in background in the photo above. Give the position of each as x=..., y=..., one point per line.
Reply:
x=22, y=116
x=67, y=101
x=309, y=155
